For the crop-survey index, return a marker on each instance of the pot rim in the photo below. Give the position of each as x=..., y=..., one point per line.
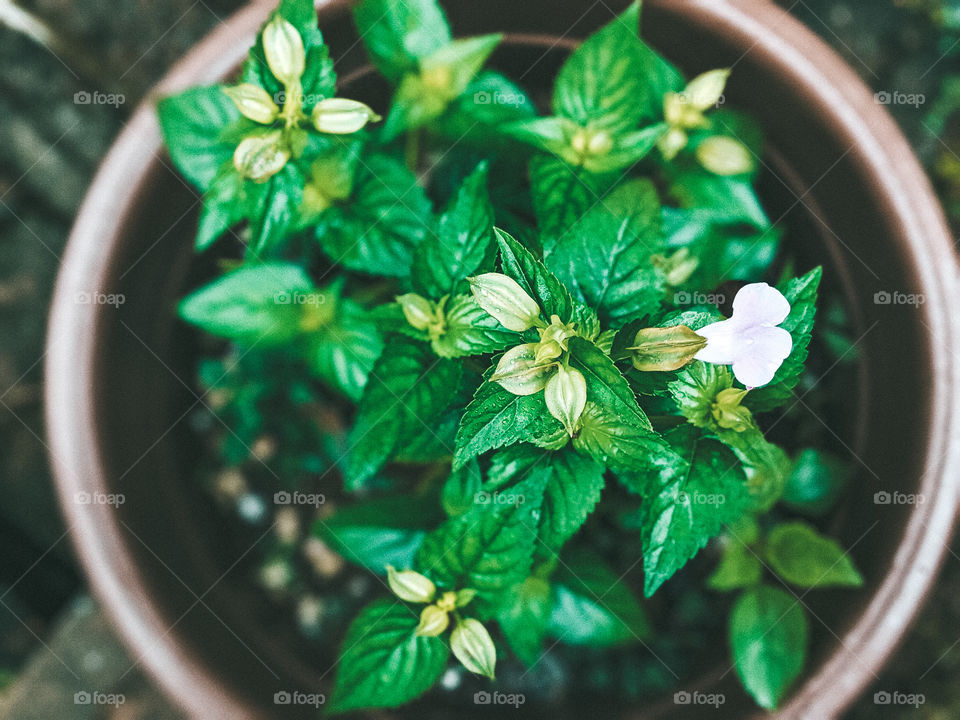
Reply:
x=786, y=44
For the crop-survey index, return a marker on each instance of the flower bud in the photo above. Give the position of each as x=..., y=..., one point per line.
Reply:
x=447, y=601
x=340, y=116
x=519, y=372
x=729, y=413
x=566, y=397
x=723, y=155
x=261, y=157
x=417, y=310
x=433, y=621
x=503, y=298
x=705, y=90
x=665, y=349
x=411, y=586
x=253, y=102
x=672, y=142
x=473, y=646
x=283, y=47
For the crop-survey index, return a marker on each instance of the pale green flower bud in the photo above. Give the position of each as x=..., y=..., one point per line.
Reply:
x=566, y=397
x=474, y=648
x=253, y=102
x=672, y=142
x=411, y=586
x=553, y=339
x=665, y=349
x=283, y=47
x=433, y=621
x=503, y=298
x=723, y=155
x=519, y=372
x=261, y=157
x=677, y=268
x=447, y=601
x=418, y=311
x=340, y=116
x=729, y=413
x=705, y=90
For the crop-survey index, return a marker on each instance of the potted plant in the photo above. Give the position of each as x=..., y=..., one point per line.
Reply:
x=493, y=337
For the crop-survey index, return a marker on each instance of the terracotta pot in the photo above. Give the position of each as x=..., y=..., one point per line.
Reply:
x=118, y=378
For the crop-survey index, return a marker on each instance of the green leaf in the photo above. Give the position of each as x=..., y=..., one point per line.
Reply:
x=524, y=618
x=398, y=33
x=463, y=244
x=377, y=230
x=803, y=557
x=384, y=663
x=605, y=385
x=460, y=490
x=601, y=82
x=540, y=284
x=815, y=483
x=193, y=123
x=343, y=351
x=490, y=547
x=739, y=568
x=691, y=507
x=251, y=305
x=563, y=194
x=470, y=330
x=593, y=606
x=607, y=255
x=408, y=390
x=639, y=457
x=379, y=532
x=695, y=389
x=768, y=636
x=497, y=418
x=801, y=293
x=223, y=206
x=628, y=149
x=276, y=216
x=572, y=491
x=724, y=200
x=767, y=465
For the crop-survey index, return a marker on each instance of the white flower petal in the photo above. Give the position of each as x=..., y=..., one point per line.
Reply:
x=762, y=352
x=760, y=304
x=723, y=342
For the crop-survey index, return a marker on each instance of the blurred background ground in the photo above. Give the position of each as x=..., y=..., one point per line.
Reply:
x=72, y=72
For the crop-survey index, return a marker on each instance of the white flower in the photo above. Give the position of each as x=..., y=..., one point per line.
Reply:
x=750, y=340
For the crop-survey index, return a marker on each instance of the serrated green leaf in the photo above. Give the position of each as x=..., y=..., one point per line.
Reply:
x=223, y=206
x=593, y=606
x=470, y=330
x=490, y=547
x=695, y=389
x=378, y=229
x=460, y=490
x=384, y=663
x=524, y=618
x=739, y=568
x=343, y=351
x=801, y=293
x=463, y=244
x=251, y=305
x=768, y=636
x=379, y=532
x=276, y=216
x=539, y=283
x=606, y=386
x=803, y=557
x=497, y=418
x=563, y=194
x=409, y=388
x=692, y=507
x=607, y=255
x=193, y=123
x=722, y=200
x=398, y=33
